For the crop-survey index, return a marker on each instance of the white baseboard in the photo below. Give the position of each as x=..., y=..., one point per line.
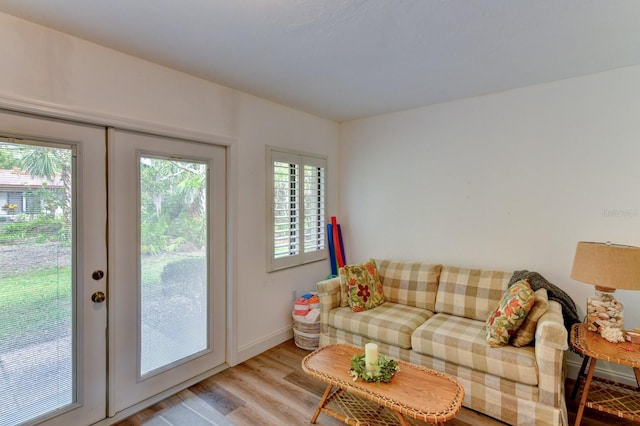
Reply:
x=256, y=347
x=604, y=369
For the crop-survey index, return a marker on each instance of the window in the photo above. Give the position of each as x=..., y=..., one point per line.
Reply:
x=297, y=220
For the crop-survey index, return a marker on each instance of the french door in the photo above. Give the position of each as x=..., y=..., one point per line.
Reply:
x=53, y=259
x=112, y=268
x=167, y=259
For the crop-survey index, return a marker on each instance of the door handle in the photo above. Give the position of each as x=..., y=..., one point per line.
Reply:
x=98, y=297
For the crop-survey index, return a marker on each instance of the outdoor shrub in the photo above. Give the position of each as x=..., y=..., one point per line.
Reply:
x=38, y=230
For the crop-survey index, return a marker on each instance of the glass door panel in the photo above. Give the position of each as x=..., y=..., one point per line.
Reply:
x=173, y=261
x=36, y=285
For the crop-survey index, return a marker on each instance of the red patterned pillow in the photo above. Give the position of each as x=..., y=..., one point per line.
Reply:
x=362, y=288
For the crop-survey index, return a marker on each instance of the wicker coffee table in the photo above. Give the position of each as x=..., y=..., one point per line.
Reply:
x=414, y=395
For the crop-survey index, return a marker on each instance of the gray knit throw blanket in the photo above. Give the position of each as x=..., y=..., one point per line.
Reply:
x=537, y=281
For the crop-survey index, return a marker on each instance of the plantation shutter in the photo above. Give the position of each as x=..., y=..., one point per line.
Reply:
x=314, y=209
x=286, y=209
x=298, y=217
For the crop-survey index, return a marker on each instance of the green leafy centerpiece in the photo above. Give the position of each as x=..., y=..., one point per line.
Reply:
x=373, y=368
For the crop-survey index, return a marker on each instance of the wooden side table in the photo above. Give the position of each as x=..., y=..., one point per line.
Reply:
x=611, y=397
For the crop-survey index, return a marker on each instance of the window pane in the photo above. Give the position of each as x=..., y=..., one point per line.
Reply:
x=314, y=214
x=286, y=209
x=173, y=261
x=36, y=284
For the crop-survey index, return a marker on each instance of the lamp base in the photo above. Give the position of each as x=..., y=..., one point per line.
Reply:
x=604, y=311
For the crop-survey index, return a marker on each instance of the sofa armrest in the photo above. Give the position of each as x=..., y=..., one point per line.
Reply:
x=330, y=298
x=550, y=330
x=550, y=346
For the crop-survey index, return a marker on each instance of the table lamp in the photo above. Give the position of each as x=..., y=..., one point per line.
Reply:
x=609, y=267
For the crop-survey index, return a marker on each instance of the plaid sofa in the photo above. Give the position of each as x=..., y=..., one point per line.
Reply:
x=434, y=315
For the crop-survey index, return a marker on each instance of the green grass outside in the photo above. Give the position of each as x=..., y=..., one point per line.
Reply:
x=36, y=306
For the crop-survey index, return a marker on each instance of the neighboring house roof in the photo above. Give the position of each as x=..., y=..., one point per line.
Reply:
x=17, y=179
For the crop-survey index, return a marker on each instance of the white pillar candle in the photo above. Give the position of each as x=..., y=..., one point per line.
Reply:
x=371, y=357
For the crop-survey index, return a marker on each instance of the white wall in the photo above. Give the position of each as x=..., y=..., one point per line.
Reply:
x=266, y=299
x=49, y=72
x=71, y=75
x=506, y=181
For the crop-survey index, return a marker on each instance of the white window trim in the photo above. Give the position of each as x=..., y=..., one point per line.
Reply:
x=274, y=154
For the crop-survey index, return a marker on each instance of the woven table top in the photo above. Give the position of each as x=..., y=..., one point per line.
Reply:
x=415, y=391
x=595, y=346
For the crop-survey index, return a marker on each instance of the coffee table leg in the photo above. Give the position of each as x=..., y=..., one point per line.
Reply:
x=322, y=401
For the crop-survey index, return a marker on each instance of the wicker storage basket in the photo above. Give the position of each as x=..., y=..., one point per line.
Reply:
x=306, y=333
x=306, y=341
x=299, y=323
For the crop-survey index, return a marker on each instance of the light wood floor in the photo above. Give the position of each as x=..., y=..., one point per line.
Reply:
x=272, y=389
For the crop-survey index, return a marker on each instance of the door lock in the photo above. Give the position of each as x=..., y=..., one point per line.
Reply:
x=98, y=297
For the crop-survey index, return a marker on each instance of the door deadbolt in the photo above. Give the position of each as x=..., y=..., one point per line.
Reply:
x=98, y=297
x=97, y=275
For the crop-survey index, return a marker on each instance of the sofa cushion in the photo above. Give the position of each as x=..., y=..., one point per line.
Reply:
x=462, y=341
x=526, y=332
x=389, y=323
x=470, y=293
x=409, y=283
x=512, y=309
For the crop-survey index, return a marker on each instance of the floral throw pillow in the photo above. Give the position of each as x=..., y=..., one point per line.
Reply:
x=510, y=313
x=364, y=286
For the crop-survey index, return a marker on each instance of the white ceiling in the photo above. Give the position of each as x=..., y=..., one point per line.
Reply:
x=346, y=59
